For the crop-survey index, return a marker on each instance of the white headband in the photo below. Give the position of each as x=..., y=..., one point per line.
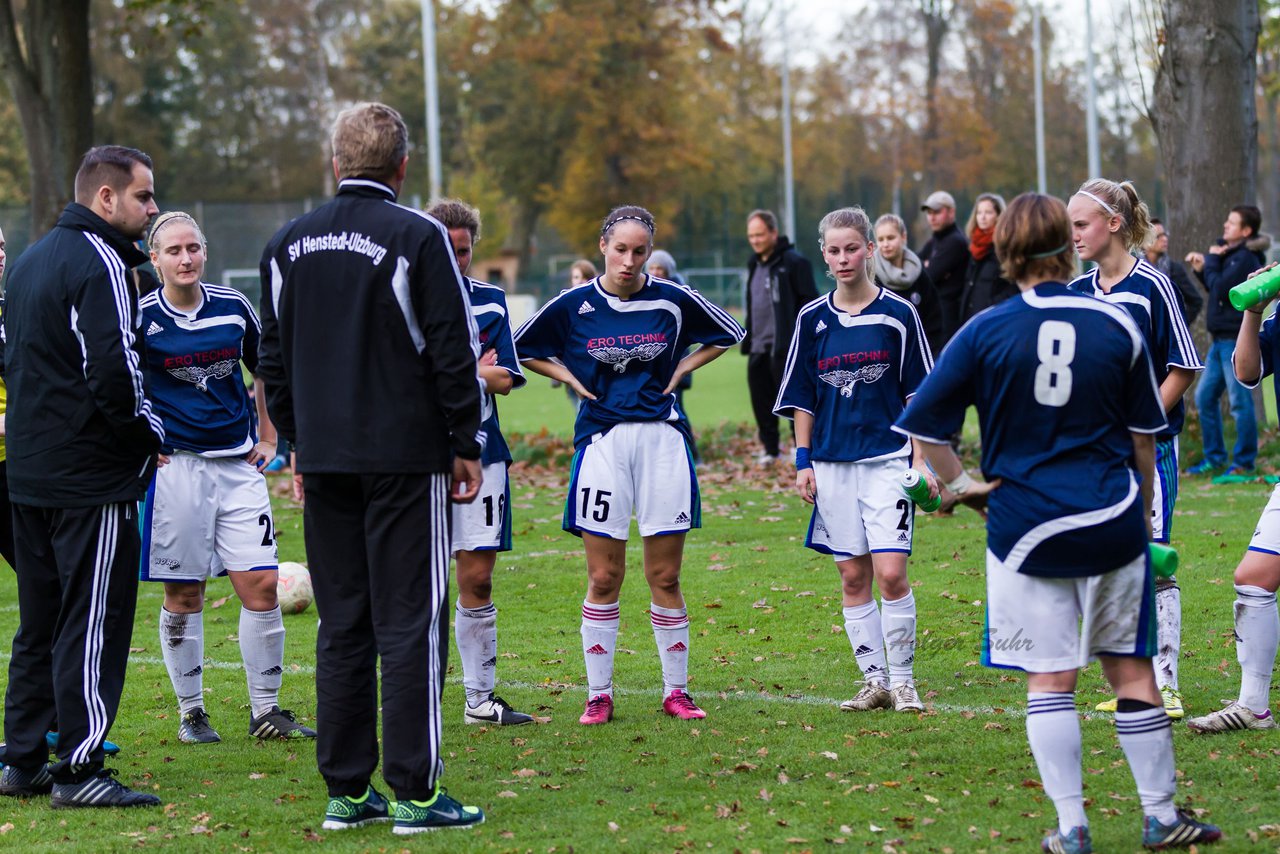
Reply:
x=1106, y=207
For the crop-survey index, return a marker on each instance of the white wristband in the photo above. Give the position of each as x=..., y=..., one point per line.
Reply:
x=961, y=484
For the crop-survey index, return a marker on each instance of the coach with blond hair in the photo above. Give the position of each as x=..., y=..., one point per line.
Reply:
x=369, y=360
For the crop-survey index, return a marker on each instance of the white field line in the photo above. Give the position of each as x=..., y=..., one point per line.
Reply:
x=653, y=693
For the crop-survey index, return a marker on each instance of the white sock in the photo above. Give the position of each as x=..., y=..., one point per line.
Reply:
x=599, y=640
x=1168, y=635
x=262, y=648
x=476, y=631
x=899, y=619
x=1257, y=636
x=182, y=642
x=862, y=625
x=1053, y=729
x=671, y=633
x=1147, y=740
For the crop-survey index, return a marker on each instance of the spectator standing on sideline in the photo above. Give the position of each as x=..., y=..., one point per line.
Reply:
x=368, y=357
x=946, y=257
x=779, y=283
x=81, y=443
x=1157, y=254
x=983, y=284
x=1240, y=251
x=901, y=271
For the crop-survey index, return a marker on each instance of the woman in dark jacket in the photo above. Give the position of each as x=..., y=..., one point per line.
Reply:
x=983, y=286
x=900, y=270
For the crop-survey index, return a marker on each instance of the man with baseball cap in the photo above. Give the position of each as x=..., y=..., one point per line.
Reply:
x=946, y=257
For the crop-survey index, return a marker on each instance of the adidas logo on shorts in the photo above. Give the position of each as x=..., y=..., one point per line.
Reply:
x=822, y=324
x=585, y=308
x=682, y=518
x=678, y=646
x=597, y=650
x=154, y=328
x=902, y=538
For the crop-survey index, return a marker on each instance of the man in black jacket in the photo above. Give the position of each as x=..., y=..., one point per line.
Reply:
x=779, y=283
x=1228, y=263
x=82, y=441
x=1157, y=254
x=369, y=359
x=946, y=258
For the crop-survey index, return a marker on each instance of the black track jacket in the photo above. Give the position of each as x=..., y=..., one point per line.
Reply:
x=80, y=429
x=368, y=346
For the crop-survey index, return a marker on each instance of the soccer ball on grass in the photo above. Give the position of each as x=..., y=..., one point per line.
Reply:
x=293, y=588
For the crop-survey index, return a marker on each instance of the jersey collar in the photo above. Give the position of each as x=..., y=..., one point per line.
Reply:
x=168, y=309
x=365, y=186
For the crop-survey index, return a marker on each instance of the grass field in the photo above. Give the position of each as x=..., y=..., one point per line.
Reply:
x=774, y=767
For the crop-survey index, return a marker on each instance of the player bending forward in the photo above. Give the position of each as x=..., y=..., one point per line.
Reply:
x=482, y=528
x=857, y=355
x=1257, y=577
x=207, y=511
x=1066, y=395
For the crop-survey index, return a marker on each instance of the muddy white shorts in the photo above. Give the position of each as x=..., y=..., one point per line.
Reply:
x=204, y=516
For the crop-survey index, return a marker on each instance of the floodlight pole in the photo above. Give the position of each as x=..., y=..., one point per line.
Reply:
x=1095, y=160
x=433, y=96
x=788, y=178
x=1041, y=183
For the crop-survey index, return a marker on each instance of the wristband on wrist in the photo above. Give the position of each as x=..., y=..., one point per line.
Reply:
x=961, y=484
x=802, y=459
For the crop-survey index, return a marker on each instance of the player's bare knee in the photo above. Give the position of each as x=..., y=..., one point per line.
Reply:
x=603, y=583
x=476, y=588
x=257, y=590
x=183, y=597
x=1061, y=682
x=1257, y=570
x=664, y=581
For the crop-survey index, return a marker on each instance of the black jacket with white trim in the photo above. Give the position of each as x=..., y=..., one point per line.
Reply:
x=80, y=431
x=368, y=346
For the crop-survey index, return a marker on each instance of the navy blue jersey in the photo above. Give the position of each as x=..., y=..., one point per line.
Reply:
x=1059, y=380
x=489, y=308
x=1269, y=347
x=854, y=373
x=193, y=361
x=625, y=351
x=1153, y=302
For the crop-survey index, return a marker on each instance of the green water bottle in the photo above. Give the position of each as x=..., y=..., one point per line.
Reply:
x=1164, y=560
x=917, y=489
x=1255, y=291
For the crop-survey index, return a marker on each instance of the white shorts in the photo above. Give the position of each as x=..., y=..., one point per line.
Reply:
x=861, y=508
x=204, y=516
x=1164, y=491
x=485, y=524
x=1047, y=625
x=643, y=466
x=1266, y=536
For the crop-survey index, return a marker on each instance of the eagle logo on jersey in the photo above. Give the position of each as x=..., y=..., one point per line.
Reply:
x=844, y=380
x=200, y=376
x=620, y=357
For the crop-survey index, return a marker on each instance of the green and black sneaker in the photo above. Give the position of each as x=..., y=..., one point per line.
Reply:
x=345, y=813
x=439, y=812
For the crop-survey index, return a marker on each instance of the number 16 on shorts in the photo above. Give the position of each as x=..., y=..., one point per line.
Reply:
x=485, y=524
